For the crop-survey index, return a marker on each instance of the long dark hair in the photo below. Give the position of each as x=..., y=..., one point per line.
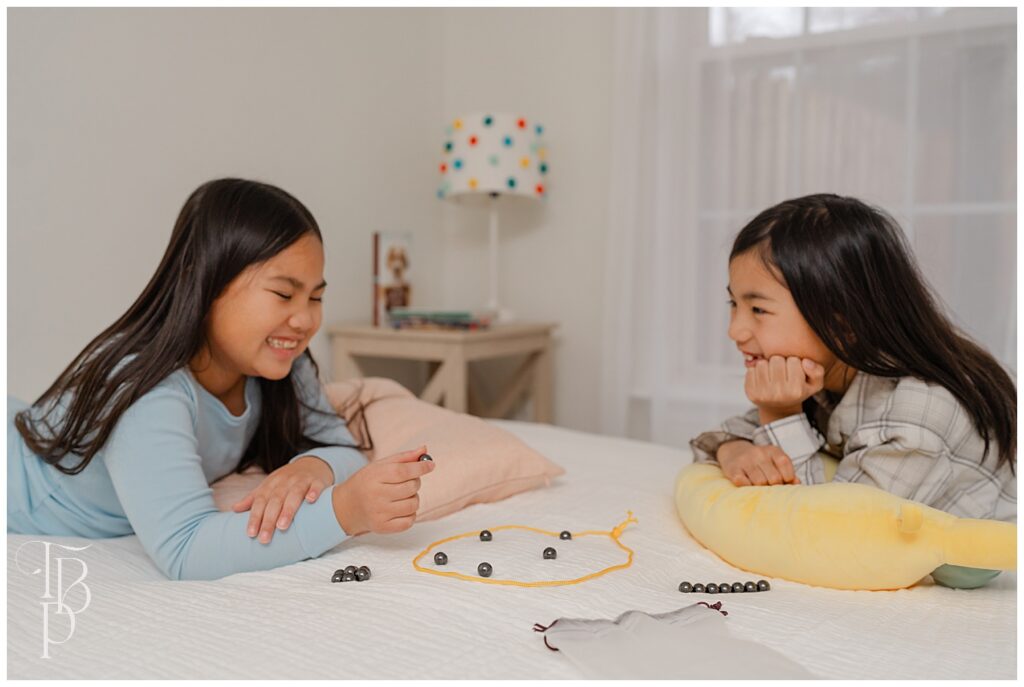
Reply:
x=225, y=226
x=854, y=280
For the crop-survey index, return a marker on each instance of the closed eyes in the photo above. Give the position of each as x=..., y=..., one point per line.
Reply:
x=288, y=298
x=754, y=309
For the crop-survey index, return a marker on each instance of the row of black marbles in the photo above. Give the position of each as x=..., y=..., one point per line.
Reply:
x=725, y=587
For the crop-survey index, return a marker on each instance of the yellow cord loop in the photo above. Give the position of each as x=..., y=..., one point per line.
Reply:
x=617, y=532
x=613, y=535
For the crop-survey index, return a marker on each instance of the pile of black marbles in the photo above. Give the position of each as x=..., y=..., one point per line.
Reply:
x=725, y=587
x=485, y=569
x=351, y=574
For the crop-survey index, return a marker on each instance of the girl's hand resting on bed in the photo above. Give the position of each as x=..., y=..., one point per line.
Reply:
x=747, y=465
x=280, y=494
x=383, y=496
x=779, y=386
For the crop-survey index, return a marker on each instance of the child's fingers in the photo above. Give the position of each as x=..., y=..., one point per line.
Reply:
x=812, y=368
x=291, y=505
x=405, y=507
x=244, y=504
x=794, y=371
x=404, y=490
x=739, y=478
x=403, y=472
x=256, y=516
x=771, y=473
x=396, y=525
x=750, y=382
x=776, y=369
x=815, y=373
x=758, y=475
x=785, y=467
x=753, y=475
x=761, y=374
x=405, y=456
x=270, y=516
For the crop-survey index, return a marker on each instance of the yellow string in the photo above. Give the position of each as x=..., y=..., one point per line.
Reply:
x=613, y=535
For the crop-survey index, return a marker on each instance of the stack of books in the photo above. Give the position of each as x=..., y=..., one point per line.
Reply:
x=422, y=318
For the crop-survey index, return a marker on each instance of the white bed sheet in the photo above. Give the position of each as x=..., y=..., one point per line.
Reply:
x=293, y=623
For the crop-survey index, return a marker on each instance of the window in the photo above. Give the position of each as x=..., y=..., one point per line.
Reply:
x=910, y=109
x=731, y=25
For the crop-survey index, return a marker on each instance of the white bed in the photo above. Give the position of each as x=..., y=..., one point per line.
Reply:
x=293, y=623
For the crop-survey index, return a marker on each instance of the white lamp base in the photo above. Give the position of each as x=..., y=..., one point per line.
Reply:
x=501, y=315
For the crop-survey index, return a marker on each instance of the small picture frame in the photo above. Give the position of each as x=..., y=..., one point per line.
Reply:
x=392, y=285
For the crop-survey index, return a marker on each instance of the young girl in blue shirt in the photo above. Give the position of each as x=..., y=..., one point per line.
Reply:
x=849, y=356
x=207, y=373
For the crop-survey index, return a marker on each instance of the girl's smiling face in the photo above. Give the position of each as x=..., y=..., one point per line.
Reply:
x=765, y=321
x=264, y=319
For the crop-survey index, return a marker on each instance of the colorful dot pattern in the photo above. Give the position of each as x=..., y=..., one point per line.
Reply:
x=493, y=152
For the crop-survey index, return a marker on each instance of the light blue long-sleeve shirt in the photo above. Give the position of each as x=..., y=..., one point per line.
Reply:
x=152, y=478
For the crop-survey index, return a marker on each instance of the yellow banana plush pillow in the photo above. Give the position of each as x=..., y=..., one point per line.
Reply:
x=844, y=536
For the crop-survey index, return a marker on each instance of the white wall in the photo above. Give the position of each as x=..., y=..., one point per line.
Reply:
x=116, y=115
x=553, y=65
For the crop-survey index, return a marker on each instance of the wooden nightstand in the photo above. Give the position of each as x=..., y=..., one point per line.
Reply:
x=453, y=351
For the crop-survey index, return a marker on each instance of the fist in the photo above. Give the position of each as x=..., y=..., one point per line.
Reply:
x=779, y=386
x=383, y=496
x=747, y=465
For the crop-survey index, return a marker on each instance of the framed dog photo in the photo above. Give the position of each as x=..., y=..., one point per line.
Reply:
x=392, y=287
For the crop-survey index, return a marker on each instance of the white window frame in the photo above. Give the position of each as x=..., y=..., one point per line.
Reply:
x=702, y=381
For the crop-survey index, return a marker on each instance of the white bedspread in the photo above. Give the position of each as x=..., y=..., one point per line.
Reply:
x=294, y=623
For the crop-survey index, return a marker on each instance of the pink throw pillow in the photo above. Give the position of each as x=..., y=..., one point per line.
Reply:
x=476, y=462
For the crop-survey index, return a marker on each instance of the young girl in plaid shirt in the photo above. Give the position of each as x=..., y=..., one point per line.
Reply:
x=848, y=356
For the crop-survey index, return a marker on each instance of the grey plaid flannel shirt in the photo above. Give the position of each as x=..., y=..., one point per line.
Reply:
x=906, y=436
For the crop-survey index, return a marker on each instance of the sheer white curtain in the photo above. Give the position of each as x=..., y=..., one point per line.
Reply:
x=719, y=114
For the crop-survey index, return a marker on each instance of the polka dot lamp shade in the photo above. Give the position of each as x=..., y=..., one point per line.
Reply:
x=493, y=152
